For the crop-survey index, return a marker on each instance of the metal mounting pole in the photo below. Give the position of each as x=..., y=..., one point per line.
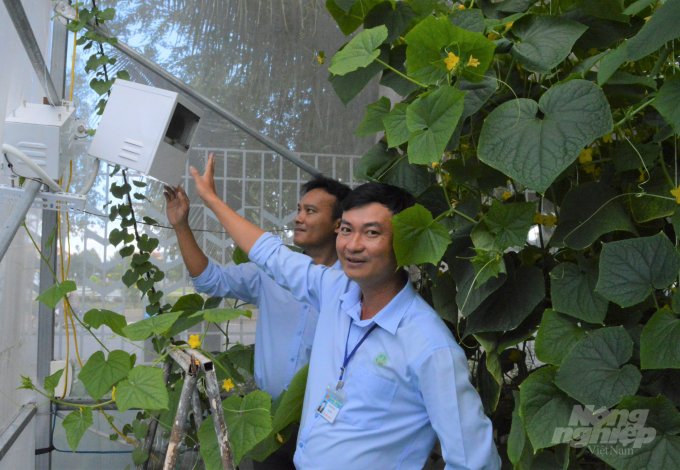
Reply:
x=208, y=103
x=12, y=224
x=23, y=26
x=179, y=424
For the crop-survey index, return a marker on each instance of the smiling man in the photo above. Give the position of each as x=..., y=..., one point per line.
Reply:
x=285, y=327
x=386, y=377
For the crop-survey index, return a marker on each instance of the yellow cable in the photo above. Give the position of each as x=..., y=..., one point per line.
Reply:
x=61, y=259
x=73, y=59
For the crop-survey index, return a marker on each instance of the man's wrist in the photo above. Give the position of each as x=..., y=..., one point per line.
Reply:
x=211, y=201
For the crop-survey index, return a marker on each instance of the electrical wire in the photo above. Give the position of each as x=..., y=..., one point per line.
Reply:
x=54, y=186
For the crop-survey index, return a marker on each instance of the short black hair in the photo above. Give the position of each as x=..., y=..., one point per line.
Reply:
x=332, y=187
x=394, y=198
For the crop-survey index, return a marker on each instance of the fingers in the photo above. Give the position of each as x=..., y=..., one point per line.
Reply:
x=169, y=191
x=210, y=167
x=167, y=196
x=194, y=173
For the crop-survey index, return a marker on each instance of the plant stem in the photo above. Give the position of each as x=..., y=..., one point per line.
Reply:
x=629, y=115
x=400, y=74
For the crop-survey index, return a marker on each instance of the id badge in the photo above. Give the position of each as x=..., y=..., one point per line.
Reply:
x=331, y=403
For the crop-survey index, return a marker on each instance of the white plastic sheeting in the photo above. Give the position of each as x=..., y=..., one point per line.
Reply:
x=20, y=267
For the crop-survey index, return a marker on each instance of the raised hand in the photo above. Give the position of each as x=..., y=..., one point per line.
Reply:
x=177, y=206
x=205, y=184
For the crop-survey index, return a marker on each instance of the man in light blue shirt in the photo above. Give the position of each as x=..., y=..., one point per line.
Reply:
x=386, y=377
x=285, y=327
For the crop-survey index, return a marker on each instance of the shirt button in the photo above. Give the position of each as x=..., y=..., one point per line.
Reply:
x=299, y=333
x=292, y=359
x=301, y=445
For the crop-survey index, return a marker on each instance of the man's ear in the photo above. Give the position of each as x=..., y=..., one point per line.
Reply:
x=336, y=227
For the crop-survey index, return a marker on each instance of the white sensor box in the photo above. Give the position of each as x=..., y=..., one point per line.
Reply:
x=44, y=133
x=147, y=129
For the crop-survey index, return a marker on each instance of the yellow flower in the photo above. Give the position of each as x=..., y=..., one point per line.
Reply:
x=607, y=138
x=492, y=36
x=509, y=25
x=539, y=218
x=319, y=59
x=676, y=192
x=461, y=7
x=647, y=19
x=506, y=195
x=550, y=221
x=473, y=62
x=585, y=156
x=279, y=438
x=228, y=384
x=451, y=61
x=194, y=342
x=113, y=394
x=590, y=168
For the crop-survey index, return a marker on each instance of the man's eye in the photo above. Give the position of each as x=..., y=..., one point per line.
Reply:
x=344, y=230
x=372, y=232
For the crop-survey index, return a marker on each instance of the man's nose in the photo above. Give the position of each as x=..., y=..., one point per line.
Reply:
x=355, y=244
x=299, y=218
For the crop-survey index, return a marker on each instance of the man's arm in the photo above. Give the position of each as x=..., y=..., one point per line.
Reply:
x=177, y=209
x=455, y=411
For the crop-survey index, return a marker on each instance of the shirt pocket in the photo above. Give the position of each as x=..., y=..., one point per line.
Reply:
x=369, y=398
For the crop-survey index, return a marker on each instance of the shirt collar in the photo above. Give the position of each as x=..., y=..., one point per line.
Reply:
x=389, y=317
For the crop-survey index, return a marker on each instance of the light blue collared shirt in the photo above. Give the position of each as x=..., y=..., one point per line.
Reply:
x=285, y=327
x=406, y=385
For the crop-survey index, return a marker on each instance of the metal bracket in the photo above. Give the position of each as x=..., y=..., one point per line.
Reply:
x=61, y=202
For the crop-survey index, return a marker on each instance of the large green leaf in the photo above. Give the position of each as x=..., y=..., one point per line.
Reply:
x=477, y=93
x=348, y=22
x=509, y=223
x=517, y=438
x=630, y=156
x=220, y=315
x=75, y=425
x=534, y=151
x=51, y=381
x=556, y=335
x=631, y=269
x=99, y=374
x=144, y=388
x=158, y=325
x=395, y=16
x=96, y=318
x=667, y=101
x=432, y=119
x=648, y=207
x=55, y=293
x=188, y=305
x=359, y=52
x=592, y=371
x=662, y=27
x=397, y=59
x=663, y=452
x=373, y=118
x=660, y=342
x=470, y=295
x=248, y=421
x=430, y=42
x=544, y=407
x=375, y=162
x=506, y=308
x=573, y=292
x=469, y=19
x=545, y=41
x=611, y=63
x=589, y=211
x=418, y=238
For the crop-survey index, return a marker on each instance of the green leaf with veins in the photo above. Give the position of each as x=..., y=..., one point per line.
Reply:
x=544, y=407
x=662, y=26
x=535, y=151
x=395, y=16
x=487, y=265
x=100, y=374
x=158, y=325
x=348, y=22
x=593, y=371
x=361, y=51
x=469, y=295
x=52, y=381
x=144, y=388
x=75, y=425
x=557, y=334
x=667, y=101
x=418, y=238
x=430, y=41
x=220, y=315
x=248, y=422
x=573, y=292
x=510, y=223
x=444, y=298
x=663, y=452
x=606, y=9
x=631, y=269
x=432, y=119
x=545, y=41
x=373, y=118
x=660, y=341
x=55, y=293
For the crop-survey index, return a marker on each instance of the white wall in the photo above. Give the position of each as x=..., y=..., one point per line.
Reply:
x=19, y=270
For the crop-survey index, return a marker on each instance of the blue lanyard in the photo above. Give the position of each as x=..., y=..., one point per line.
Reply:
x=349, y=357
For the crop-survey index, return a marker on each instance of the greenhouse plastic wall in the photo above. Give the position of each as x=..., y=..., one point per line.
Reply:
x=256, y=58
x=19, y=269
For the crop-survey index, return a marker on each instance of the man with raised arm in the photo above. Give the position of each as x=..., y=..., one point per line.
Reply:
x=285, y=327
x=386, y=377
